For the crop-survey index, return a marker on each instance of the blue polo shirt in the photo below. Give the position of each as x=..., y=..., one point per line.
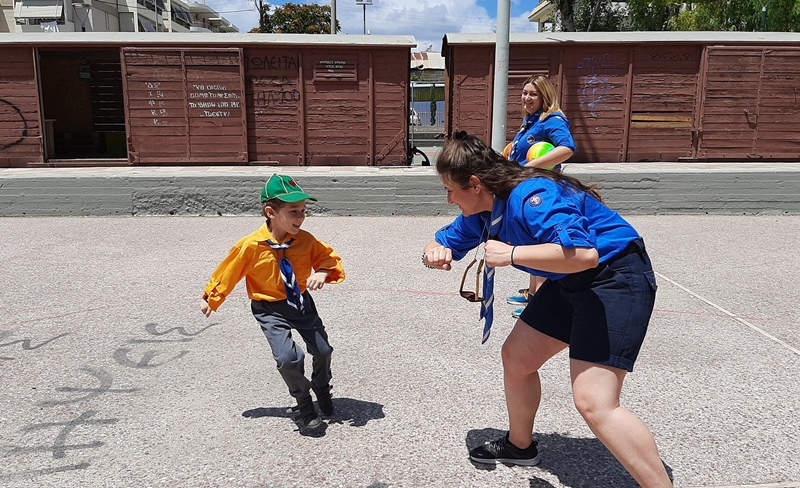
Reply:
x=553, y=129
x=539, y=211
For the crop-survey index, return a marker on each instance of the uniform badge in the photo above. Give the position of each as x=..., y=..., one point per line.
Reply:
x=535, y=201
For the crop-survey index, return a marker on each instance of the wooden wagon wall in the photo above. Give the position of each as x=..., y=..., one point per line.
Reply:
x=20, y=121
x=184, y=105
x=752, y=103
x=271, y=105
x=284, y=104
x=327, y=106
x=645, y=102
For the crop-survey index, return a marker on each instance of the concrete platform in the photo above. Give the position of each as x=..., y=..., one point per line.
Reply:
x=631, y=188
x=111, y=376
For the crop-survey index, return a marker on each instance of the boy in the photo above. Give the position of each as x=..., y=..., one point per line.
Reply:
x=280, y=263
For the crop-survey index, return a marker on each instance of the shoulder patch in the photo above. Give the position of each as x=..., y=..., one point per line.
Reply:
x=535, y=201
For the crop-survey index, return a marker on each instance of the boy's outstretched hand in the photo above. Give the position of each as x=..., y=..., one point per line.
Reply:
x=205, y=308
x=316, y=280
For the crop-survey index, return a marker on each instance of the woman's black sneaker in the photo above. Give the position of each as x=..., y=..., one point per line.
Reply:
x=503, y=451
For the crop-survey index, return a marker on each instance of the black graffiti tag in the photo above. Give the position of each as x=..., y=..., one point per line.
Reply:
x=60, y=446
x=26, y=344
x=10, y=113
x=102, y=376
x=121, y=357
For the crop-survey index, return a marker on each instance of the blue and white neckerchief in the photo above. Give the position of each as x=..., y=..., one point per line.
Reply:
x=487, y=312
x=293, y=296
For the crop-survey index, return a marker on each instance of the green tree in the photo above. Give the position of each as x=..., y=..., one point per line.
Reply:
x=433, y=104
x=294, y=18
x=589, y=15
x=654, y=15
x=565, y=14
x=660, y=15
x=598, y=16
x=715, y=15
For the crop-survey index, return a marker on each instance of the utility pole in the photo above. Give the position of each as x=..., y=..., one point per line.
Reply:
x=500, y=98
x=364, y=4
x=333, y=16
x=763, y=15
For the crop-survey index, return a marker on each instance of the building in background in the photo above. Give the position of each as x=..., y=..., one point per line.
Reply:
x=541, y=16
x=108, y=16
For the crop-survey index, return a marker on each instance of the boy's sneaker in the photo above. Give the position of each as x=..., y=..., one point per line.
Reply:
x=324, y=400
x=516, y=313
x=520, y=299
x=307, y=413
x=503, y=451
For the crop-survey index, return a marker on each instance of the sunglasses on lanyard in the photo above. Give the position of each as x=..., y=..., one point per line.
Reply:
x=472, y=296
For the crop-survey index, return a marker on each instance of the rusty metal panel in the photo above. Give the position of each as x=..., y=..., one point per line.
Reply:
x=663, y=101
x=338, y=111
x=20, y=120
x=184, y=105
x=594, y=99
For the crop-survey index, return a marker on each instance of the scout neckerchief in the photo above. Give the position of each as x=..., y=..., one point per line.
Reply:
x=487, y=312
x=293, y=296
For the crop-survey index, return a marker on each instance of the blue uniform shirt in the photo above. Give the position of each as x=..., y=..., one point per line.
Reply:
x=553, y=129
x=539, y=211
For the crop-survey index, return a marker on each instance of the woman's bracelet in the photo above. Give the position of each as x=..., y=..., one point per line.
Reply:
x=512, y=255
x=426, y=264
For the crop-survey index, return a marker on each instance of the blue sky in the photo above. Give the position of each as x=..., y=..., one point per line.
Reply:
x=426, y=20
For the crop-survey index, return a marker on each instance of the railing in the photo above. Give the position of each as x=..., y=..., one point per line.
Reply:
x=425, y=118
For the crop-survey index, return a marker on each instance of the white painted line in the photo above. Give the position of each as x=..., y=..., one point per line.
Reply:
x=788, y=484
x=735, y=317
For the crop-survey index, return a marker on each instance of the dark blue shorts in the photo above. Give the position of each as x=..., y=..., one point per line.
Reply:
x=602, y=313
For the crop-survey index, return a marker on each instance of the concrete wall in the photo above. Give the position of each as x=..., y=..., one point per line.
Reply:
x=648, y=189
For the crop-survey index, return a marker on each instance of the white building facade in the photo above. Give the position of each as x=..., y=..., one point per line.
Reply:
x=110, y=16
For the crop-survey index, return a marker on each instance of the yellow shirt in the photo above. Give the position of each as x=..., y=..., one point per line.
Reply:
x=252, y=258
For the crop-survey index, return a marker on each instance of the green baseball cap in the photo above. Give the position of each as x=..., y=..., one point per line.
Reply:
x=283, y=188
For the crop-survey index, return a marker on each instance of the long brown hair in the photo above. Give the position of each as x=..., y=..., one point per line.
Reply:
x=465, y=155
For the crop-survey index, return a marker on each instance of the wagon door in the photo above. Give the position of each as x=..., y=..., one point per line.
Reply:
x=185, y=105
x=751, y=104
x=20, y=120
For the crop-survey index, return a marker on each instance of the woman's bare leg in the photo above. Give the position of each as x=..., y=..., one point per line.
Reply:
x=524, y=352
x=596, y=390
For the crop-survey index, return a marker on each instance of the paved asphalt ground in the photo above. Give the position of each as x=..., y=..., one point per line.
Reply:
x=111, y=377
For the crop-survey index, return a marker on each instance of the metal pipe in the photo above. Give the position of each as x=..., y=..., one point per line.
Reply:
x=333, y=16
x=500, y=98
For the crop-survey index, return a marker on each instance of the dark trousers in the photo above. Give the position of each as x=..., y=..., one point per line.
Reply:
x=277, y=319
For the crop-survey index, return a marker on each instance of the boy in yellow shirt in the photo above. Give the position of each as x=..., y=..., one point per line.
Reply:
x=280, y=263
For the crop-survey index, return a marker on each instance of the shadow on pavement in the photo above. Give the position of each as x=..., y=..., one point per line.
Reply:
x=577, y=462
x=346, y=410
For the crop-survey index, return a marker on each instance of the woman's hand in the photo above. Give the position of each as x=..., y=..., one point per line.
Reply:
x=498, y=253
x=437, y=256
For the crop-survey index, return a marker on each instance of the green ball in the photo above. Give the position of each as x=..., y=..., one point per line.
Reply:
x=539, y=149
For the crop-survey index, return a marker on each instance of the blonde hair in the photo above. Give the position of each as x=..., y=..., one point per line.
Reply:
x=548, y=94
